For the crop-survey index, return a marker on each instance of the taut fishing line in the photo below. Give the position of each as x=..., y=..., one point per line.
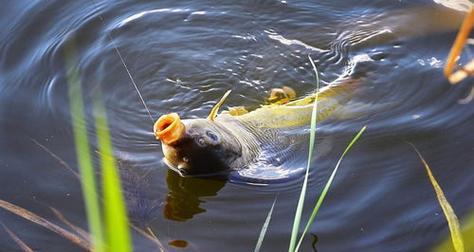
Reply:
x=126, y=68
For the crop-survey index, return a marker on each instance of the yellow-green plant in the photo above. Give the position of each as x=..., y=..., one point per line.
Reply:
x=299, y=209
x=312, y=137
x=451, y=218
x=263, y=231
x=113, y=234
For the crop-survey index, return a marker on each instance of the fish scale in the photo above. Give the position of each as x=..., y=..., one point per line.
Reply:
x=269, y=133
x=298, y=113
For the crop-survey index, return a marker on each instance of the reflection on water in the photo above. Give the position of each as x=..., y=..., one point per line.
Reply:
x=182, y=200
x=185, y=195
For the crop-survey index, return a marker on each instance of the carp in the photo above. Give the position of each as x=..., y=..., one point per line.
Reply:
x=236, y=139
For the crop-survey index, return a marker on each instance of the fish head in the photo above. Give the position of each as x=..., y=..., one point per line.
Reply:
x=196, y=147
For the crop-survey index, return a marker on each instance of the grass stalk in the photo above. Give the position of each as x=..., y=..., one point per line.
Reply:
x=21, y=212
x=86, y=169
x=265, y=227
x=451, y=218
x=312, y=137
x=81, y=232
x=21, y=244
x=149, y=235
x=116, y=220
x=327, y=186
x=467, y=232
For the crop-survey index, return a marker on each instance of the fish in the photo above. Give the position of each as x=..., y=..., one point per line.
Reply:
x=237, y=139
x=228, y=141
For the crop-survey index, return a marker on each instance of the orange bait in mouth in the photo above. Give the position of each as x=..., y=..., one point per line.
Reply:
x=168, y=128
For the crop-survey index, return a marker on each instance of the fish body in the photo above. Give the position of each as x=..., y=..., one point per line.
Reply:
x=225, y=142
x=298, y=113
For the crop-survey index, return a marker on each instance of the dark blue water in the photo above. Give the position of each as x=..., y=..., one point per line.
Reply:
x=183, y=56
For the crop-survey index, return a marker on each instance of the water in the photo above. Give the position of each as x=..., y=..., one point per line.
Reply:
x=183, y=56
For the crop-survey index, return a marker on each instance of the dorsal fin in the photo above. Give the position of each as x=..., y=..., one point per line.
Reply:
x=216, y=107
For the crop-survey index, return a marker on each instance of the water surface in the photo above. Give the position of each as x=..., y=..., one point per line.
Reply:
x=183, y=56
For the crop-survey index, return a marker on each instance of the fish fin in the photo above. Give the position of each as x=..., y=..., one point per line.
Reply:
x=215, y=109
x=236, y=111
x=281, y=95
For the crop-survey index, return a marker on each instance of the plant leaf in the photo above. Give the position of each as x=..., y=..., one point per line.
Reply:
x=116, y=220
x=264, y=227
x=19, y=211
x=63, y=219
x=312, y=137
x=81, y=141
x=451, y=218
x=150, y=236
x=467, y=233
x=328, y=185
x=17, y=240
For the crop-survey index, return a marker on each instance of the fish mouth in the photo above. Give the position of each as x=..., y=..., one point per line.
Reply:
x=172, y=161
x=169, y=128
x=173, y=167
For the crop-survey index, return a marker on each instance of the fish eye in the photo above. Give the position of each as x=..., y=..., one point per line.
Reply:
x=212, y=136
x=201, y=142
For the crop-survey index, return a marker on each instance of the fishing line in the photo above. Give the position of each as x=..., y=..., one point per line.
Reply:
x=126, y=68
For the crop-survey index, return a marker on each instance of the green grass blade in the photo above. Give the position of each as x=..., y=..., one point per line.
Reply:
x=264, y=227
x=116, y=220
x=81, y=141
x=327, y=186
x=312, y=137
x=451, y=218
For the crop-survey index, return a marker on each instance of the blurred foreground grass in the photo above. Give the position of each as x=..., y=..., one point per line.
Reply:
x=113, y=233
